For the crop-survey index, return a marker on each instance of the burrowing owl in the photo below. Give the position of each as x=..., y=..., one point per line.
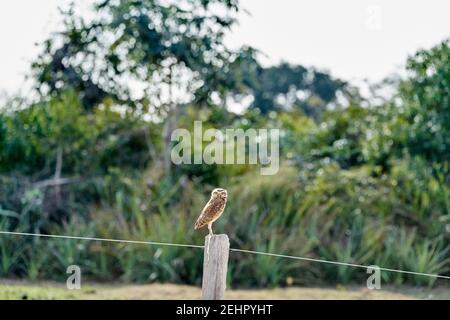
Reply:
x=213, y=209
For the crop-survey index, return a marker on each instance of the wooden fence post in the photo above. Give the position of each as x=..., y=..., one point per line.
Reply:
x=215, y=264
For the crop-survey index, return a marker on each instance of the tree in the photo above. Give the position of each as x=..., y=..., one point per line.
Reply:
x=171, y=50
x=284, y=86
x=425, y=103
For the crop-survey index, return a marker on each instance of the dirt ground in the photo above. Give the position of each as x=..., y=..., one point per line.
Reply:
x=12, y=289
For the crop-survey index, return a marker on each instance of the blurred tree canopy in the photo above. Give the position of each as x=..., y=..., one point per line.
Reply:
x=416, y=120
x=158, y=46
x=173, y=53
x=284, y=86
x=425, y=103
x=166, y=48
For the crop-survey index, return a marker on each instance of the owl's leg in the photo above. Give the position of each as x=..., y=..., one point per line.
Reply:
x=210, y=228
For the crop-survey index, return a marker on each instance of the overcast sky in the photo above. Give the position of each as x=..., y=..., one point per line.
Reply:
x=353, y=39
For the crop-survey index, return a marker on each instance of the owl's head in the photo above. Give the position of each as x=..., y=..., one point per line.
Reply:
x=219, y=192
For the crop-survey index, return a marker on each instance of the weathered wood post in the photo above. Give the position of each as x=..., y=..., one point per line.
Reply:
x=215, y=265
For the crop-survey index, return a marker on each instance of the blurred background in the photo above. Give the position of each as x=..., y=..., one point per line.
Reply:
x=92, y=90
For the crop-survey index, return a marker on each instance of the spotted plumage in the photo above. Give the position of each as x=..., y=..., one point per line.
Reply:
x=213, y=209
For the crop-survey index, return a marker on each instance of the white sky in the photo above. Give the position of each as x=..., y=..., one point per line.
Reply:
x=353, y=39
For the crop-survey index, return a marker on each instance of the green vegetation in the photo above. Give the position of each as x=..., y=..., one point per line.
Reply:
x=360, y=181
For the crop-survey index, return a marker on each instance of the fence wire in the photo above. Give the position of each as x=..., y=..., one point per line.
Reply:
x=156, y=243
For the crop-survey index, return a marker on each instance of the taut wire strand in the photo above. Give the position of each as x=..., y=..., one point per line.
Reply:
x=231, y=249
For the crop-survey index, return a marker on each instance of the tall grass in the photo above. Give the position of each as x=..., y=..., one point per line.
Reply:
x=356, y=216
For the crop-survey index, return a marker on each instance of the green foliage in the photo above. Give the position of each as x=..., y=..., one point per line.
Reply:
x=341, y=136
x=285, y=86
x=426, y=96
x=360, y=183
x=417, y=121
x=149, y=43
